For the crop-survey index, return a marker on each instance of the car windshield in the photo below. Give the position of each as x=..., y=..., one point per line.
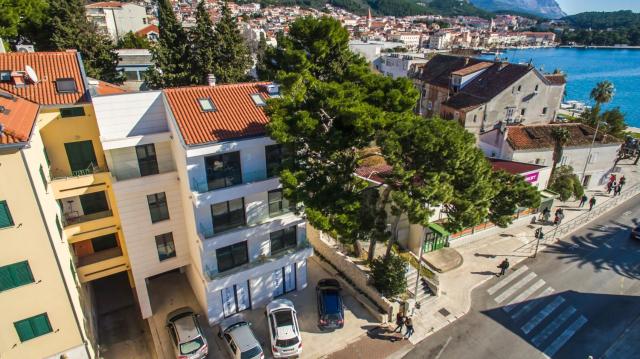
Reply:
x=283, y=318
x=285, y=343
x=191, y=346
x=251, y=353
x=331, y=301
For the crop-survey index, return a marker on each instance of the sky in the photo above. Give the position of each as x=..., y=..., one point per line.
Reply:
x=576, y=6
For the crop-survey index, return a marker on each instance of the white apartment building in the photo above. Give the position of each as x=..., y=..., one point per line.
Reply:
x=440, y=40
x=117, y=18
x=409, y=39
x=398, y=65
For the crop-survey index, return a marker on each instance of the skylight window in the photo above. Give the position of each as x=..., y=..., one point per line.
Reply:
x=207, y=105
x=5, y=76
x=258, y=100
x=66, y=85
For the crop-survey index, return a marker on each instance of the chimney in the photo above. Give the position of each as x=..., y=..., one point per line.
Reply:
x=211, y=80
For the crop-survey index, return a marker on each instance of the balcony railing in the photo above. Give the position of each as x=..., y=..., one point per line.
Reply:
x=207, y=231
x=71, y=218
x=55, y=174
x=122, y=174
x=201, y=185
x=99, y=256
x=213, y=274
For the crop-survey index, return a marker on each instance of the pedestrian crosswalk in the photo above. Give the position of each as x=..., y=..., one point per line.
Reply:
x=547, y=320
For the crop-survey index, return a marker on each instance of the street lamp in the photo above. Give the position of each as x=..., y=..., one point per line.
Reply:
x=584, y=170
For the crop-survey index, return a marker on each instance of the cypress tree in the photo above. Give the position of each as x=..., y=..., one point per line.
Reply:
x=203, y=44
x=171, y=54
x=232, y=56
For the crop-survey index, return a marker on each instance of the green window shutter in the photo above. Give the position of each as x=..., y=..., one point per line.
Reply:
x=46, y=156
x=71, y=112
x=21, y=273
x=5, y=215
x=81, y=155
x=40, y=324
x=43, y=177
x=5, y=278
x=25, y=332
x=59, y=226
x=33, y=327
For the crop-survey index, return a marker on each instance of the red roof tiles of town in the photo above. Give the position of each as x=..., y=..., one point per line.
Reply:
x=105, y=4
x=105, y=88
x=514, y=168
x=48, y=66
x=556, y=79
x=147, y=29
x=17, y=119
x=473, y=68
x=235, y=115
x=534, y=137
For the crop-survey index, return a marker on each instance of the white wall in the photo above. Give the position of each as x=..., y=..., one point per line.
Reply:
x=123, y=162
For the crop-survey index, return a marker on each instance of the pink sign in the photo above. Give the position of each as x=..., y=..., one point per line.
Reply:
x=531, y=177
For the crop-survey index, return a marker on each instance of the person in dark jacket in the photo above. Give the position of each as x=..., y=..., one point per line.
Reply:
x=400, y=319
x=409, y=324
x=583, y=200
x=503, y=267
x=592, y=202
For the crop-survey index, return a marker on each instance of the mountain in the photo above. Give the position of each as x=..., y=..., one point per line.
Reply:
x=543, y=8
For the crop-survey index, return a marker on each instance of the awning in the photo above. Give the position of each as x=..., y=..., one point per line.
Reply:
x=438, y=229
x=549, y=194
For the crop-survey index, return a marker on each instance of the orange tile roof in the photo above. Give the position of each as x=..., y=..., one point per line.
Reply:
x=105, y=88
x=49, y=66
x=236, y=114
x=105, y=4
x=535, y=137
x=17, y=119
x=473, y=68
x=147, y=29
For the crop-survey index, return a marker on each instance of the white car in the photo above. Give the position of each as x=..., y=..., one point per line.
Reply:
x=186, y=334
x=239, y=339
x=283, y=329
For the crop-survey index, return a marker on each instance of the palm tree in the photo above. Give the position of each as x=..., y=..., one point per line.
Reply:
x=602, y=93
x=561, y=136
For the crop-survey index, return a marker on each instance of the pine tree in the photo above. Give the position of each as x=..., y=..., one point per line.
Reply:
x=232, y=56
x=67, y=27
x=203, y=44
x=171, y=54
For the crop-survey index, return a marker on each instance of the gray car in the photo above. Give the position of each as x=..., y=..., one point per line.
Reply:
x=238, y=338
x=186, y=334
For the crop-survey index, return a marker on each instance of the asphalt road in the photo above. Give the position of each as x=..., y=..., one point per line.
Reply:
x=576, y=299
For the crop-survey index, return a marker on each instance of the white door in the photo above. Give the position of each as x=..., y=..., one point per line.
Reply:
x=229, y=301
x=242, y=293
x=290, y=278
x=278, y=282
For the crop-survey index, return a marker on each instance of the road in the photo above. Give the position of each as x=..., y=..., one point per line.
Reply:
x=576, y=299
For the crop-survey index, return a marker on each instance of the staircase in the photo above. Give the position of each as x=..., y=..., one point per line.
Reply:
x=424, y=293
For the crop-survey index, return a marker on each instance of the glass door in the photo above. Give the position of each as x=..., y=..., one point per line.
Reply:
x=229, y=301
x=278, y=283
x=289, y=278
x=242, y=294
x=81, y=156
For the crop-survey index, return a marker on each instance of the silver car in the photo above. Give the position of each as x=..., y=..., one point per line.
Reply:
x=186, y=335
x=239, y=339
x=284, y=332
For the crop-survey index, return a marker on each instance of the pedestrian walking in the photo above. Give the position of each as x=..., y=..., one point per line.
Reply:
x=409, y=324
x=623, y=181
x=546, y=213
x=400, y=320
x=612, y=178
x=503, y=267
x=611, y=187
x=583, y=200
x=617, y=191
x=592, y=202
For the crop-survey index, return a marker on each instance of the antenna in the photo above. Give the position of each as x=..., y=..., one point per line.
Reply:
x=31, y=73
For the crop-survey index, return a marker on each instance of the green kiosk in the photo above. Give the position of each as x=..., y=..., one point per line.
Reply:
x=436, y=237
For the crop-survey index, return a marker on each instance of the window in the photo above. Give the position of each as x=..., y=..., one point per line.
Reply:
x=15, y=275
x=475, y=118
x=257, y=99
x=223, y=170
x=510, y=111
x=277, y=203
x=232, y=256
x=429, y=105
x=71, y=112
x=5, y=76
x=544, y=111
x=147, y=161
x=165, y=245
x=5, y=215
x=33, y=327
x=519, y=88
x=66, y=85
x=274, y=155
x=540, y=161
x=283, y=239
x=104, y=243
x=228, y=215
x=523, y=111
x=206, y=105
x=537, y=87
x=81, y=156
x=158, y=207
x=43, y=177
x=94, y=203
x=46, y=157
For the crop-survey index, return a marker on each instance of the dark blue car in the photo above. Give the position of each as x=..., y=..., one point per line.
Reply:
x=330, y=308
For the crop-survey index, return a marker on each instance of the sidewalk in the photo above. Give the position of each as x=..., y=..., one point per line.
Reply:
x=483, y=253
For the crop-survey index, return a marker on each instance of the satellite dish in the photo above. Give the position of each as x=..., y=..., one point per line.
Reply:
x=31, y=73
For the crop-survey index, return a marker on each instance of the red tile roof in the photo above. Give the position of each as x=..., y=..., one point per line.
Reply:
x=17, y=119
x=473, y=68
x=541, y=136
x=236, y=114
x=147, y=29
x=48, y=66
x=105, y=88
x=556, y=79
x=374, y=173
x=105, y=4
x=515, y=168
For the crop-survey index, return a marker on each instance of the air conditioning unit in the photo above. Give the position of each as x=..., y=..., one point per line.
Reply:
x=25, y=48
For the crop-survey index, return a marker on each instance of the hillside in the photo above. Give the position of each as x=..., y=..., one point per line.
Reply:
x=389, y=7
x=624, y=19
x=544, y=8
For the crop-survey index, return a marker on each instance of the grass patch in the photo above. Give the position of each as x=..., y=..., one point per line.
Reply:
x=424, y=271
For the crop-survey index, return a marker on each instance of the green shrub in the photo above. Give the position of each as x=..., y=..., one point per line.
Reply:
x=389, y=275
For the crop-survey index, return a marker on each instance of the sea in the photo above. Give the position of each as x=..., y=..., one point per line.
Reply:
x=585, y=68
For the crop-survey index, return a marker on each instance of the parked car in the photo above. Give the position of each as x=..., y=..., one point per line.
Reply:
x=283, y=329
x=186, y=334
x=239, y=339
x=635, y=233
x=330, y=307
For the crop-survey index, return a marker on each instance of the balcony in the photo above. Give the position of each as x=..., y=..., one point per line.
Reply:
x=207, y=231
x=57, y=174
x=71, y=219
x=253, y=182
x=76, y=183
x=201, y=186
x=80, y=228
x=101, y=264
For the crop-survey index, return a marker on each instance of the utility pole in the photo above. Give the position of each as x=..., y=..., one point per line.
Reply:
x=539, y=235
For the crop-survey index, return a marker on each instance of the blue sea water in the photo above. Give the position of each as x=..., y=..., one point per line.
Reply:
x=585, y=68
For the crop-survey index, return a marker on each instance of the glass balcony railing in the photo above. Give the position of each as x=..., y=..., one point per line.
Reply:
x=201, y=185
x=59, y=174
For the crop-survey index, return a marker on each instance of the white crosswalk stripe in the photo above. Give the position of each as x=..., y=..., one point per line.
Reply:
x=531, y=324
x=524, y=295
x=507, y=280
x=515, y=287
x=553, y=326
x=563, y=338
x=529, y=306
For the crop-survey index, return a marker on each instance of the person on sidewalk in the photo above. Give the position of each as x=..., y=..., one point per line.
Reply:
x=409, y=324
x=623, y=181
x=583, y=200
x=546, y=212
x=611, y=187
x=616, y=192
x=400, y=320
x=592, y=202
x=503, y=267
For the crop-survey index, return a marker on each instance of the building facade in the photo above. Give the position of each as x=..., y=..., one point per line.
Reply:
x=116, y=18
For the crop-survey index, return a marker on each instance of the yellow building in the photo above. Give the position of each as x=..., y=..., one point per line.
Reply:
x=58, y=208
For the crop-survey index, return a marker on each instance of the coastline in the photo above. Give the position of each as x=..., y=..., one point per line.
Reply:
x=614, y=47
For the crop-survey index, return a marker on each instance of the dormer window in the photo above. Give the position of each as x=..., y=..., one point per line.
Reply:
x=258, y=100
x=5, y=76
x=207, y=105
x=66, y=85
